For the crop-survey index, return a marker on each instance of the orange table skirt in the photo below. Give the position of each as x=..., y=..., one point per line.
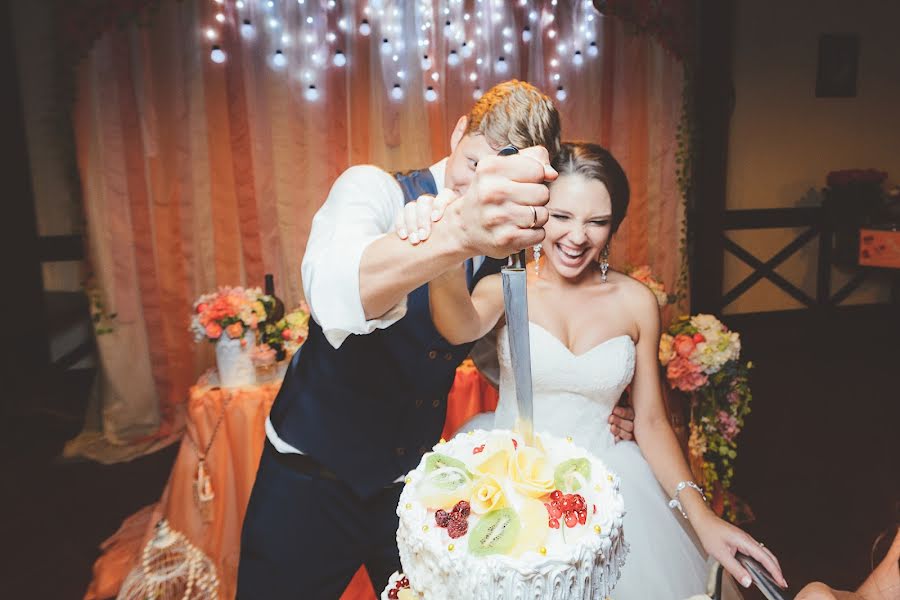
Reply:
x=229, y=427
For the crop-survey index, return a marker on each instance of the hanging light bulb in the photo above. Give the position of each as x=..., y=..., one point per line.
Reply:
x=311, y=93
x=448, y=28
x=435, y=76
x=577, y=58
x=217, y=55
x=473, y=76
x=270, y=4
x=211, y=34
x=386, y=47
x=309, y=20
x=397, y=92
x=508, y=47
x=551, y=34
x=339, y=59
x=285, y=39
x=247, y=29
x=561, y=47
x=426, y=63
x=476, y=94
x=507, y=32
x=593, y=50
x=501, y=66
x=239, y=5
x=561, y=93
x=279, y=60
x=273, y=23
x=554, y=63
x=533, y=16
x=220, y=17
x=364, y=28
x=331, y=37
x=430, y=94
x=453, y=58
x=526, y=34
x=466, y=49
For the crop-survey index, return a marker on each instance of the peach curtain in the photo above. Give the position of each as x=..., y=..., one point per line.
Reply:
x=198, y=174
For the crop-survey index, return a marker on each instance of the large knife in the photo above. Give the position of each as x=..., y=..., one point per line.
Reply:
x=515, y=304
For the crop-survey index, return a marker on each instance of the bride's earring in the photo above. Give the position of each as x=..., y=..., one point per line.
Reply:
x=537, y=258
x=604, y=262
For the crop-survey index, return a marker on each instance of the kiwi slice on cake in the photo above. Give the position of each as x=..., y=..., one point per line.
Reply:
x=495, y=533
x=436, y=460
x=562, y=477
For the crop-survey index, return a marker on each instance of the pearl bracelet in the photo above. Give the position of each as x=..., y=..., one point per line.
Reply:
x=674, y=503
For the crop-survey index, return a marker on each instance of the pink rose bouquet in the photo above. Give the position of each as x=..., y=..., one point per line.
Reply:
x=230, y=311
x=701, y=358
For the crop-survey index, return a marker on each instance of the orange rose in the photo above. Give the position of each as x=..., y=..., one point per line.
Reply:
x=235, y=330
x=684, y=345
x=213, y=331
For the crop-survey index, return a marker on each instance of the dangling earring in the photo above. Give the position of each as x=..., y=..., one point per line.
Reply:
x=537, y=259
x=604, y=262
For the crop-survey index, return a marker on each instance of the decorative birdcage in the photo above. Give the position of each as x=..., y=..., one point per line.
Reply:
x=171, y=569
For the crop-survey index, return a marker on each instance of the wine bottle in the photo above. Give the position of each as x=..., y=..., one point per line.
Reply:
x=278, y=310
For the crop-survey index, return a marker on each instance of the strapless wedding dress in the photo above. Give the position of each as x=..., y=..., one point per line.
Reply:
x=573, y=396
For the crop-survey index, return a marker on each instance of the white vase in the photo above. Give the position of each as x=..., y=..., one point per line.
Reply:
x=233, y=360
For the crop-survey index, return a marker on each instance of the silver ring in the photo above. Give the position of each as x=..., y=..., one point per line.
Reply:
x=534, y=219
x=761, y=545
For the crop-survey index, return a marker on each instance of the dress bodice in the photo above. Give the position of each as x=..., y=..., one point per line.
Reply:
x=573, y=393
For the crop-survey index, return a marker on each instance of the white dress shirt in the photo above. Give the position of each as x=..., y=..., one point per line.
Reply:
x=360, y=209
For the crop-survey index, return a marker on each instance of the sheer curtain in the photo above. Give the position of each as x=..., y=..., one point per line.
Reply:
x=198, y=174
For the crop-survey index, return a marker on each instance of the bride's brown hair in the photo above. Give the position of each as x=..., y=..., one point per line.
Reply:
x=593, y=161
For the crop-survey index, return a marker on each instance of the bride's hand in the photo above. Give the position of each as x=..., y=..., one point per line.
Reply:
x=722, y=540
x=413, y=221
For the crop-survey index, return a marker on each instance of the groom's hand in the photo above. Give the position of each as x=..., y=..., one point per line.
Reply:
x=503, y=208
x=621, y=423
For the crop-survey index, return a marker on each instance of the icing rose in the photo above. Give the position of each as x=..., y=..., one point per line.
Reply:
x=487, y=495
x=529, y=472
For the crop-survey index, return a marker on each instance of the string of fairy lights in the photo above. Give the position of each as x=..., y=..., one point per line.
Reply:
x=422, y=45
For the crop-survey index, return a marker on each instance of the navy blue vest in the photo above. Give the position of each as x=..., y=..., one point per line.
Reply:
x=369, y=410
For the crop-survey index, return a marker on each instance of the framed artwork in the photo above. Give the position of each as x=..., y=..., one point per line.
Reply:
x=837, y=65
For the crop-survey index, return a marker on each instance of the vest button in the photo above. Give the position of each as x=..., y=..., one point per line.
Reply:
x=419, y=403
x=436, y=402
x=400, y=451
x=432, y=354
x=448, y=357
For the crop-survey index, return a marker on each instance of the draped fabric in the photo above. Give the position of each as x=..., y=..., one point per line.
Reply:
x=198, y=174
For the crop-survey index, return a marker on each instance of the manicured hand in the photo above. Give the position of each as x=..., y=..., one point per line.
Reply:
x=413, y=221
x=722, y=540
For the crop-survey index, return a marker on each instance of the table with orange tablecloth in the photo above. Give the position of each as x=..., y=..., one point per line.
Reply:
x=228, y=427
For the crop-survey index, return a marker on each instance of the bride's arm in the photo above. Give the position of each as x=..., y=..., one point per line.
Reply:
x=461, y=317
x=661, y=449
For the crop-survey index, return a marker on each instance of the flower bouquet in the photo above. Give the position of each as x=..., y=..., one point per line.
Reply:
x=281, y=339
x=702, y=359
x=231, y=317
x=645, y=276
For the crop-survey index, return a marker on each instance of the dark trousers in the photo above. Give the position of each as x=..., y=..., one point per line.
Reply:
x=305, y=535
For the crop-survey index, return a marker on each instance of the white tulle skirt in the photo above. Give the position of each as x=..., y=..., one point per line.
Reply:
x=666, y=560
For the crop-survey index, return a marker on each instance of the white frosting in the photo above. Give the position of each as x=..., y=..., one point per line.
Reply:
x=583, y=565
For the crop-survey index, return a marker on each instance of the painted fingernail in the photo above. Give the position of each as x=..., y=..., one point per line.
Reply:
x=414, y=238
x=435, y=215
x=403, y=234
x=745, y=582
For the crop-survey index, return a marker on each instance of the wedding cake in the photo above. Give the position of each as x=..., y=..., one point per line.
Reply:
x=485, y=516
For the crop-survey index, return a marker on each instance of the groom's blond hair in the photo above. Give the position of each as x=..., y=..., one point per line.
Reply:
x=517, y=113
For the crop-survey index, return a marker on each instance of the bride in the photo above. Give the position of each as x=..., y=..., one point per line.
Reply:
x=593, y=332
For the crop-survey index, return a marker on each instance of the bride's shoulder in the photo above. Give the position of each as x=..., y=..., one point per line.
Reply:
x=635, y=293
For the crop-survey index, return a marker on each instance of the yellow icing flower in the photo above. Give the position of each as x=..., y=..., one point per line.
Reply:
x=530, y=473
x=487, y=495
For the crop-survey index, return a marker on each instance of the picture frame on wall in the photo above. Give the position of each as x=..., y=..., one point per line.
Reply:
x=838, y=63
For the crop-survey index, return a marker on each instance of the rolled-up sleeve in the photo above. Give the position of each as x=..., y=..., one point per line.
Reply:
x=360, y=208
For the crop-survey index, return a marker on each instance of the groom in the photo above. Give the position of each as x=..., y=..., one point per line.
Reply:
x=366, y=395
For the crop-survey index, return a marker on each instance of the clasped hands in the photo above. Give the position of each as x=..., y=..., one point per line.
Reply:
x=501, y=211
